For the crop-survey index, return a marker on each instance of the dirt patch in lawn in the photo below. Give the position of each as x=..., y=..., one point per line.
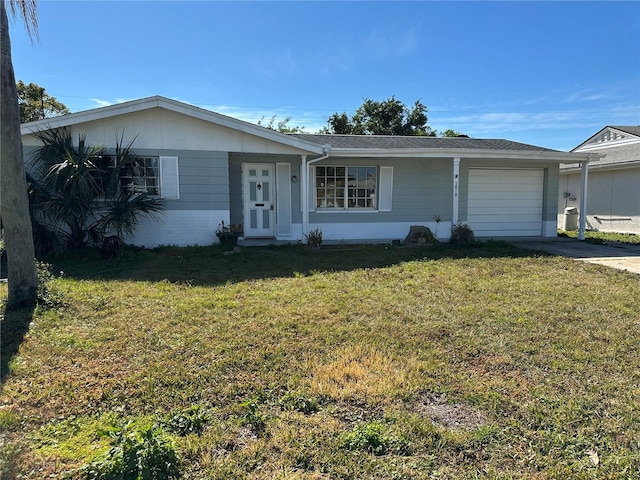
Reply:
x=452, y=416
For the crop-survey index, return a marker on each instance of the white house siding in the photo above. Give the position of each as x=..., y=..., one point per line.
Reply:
x=375, y=232
x=613, y=199
x=164, y=129
x=178, y=227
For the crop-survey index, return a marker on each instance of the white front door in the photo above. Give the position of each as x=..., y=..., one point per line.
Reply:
x=259, y=200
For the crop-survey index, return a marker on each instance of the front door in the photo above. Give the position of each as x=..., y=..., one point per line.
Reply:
x=258, y=200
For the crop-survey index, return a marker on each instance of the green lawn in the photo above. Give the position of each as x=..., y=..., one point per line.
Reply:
x=346, y=363
x=604, y=237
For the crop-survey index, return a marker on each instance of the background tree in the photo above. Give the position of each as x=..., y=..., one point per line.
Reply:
x=387, y=117
x=281, y=126
x=84, y=194
x=36, y=104
x=452, y=133
x=14, y=205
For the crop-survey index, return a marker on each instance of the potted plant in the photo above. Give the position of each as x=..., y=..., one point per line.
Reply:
x=227, y=234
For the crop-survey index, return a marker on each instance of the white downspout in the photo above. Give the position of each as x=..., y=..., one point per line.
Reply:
x=304, y=188
x=584, y=178
x=304, y=185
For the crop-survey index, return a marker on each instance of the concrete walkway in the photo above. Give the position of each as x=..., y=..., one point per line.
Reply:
x=615, y=255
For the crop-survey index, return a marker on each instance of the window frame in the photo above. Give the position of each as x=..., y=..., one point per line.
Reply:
x=153, y=190
x=343, y=182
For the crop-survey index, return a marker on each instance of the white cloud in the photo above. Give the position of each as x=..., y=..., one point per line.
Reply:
x=99, y=102
x=272, y=65
x=590, y=95
x=392, y=42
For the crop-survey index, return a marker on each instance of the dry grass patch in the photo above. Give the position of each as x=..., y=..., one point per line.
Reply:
x=363, y=373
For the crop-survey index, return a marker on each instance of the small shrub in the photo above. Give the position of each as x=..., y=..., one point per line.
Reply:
x=9, y=421
x=437, y=219
x=461, y=234
x=314, y=238
x=295, y=401
x=371, y=437
x=144, y=453
x=252, y=417
x=48, y=293
x=189, y=420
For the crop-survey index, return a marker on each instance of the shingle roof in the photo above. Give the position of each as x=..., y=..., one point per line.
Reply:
x=413, y=142
x=630, y=129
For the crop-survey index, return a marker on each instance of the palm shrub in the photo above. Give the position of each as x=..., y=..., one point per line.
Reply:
x=80, y=194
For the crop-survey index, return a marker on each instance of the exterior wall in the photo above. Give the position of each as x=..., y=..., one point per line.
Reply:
x=422, y=189
x=613, y=199
x=178, y=227
x=203, y=203
x=375, y=232
x=203, y=179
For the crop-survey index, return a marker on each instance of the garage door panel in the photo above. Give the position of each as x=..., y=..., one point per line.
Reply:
x=506, y=232
x=492, y=201
x=514, y=188
x=506, y=218
x=505, y=202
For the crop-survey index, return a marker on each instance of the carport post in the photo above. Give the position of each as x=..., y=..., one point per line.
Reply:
x=584, y=177
x=456, y=183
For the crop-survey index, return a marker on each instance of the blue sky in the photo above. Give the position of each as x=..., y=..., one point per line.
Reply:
x=546, y=73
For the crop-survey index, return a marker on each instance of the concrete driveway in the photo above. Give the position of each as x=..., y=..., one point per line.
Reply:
x=614, y=255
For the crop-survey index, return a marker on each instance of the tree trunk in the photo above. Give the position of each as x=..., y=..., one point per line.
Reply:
x=14, y=204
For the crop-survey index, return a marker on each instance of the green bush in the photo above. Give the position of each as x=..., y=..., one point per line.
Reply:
x=314, y=238
x=251, y=416
x=135, y=454
x=461, y=234
x=48, y=294
x=189, y=420
x=372, y=437
x=296, y=401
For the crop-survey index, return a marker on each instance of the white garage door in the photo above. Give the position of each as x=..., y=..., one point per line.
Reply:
x=505, y=202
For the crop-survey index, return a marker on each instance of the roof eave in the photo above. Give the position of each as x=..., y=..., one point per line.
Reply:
x=465, y=153
x=604, y=166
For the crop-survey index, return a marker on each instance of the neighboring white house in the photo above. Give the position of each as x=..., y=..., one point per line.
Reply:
x=211, y=168
x=613, y=191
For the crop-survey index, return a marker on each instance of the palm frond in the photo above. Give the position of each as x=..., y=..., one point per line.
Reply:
x=28, y=10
